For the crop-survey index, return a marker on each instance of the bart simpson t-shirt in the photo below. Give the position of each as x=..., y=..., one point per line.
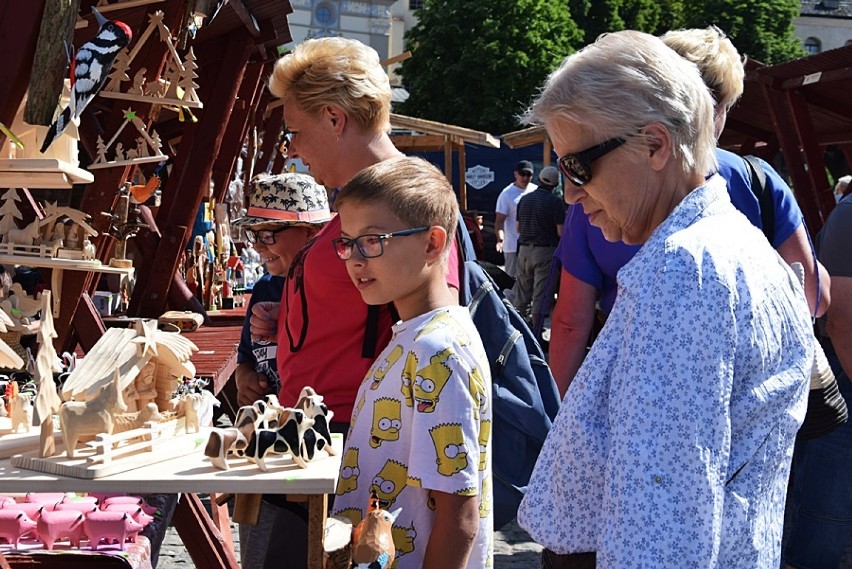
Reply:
x=422, y=422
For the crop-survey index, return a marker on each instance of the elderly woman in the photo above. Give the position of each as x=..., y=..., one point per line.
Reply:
x=672, y=447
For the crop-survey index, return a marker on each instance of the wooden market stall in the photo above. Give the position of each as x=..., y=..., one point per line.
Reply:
x=193, y=90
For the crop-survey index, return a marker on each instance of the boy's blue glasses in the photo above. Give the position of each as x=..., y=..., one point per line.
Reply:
x=370, y=245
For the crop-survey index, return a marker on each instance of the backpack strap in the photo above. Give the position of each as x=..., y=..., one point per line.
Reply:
x=764, y=197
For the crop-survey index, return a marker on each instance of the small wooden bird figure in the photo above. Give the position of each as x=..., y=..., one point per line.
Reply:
x=372, y=540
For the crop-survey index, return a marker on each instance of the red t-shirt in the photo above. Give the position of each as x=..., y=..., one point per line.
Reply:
x=322, y=304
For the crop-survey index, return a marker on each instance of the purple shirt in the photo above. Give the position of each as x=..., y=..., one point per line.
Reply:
x=588, y=256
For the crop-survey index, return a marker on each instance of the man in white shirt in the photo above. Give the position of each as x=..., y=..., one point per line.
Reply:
x=505, y=221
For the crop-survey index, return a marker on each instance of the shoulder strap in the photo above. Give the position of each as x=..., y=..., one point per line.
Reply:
x=764, y=197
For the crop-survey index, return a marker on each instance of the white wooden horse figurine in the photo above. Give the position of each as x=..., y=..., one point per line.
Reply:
x=89, y=250
x=24, y=236
x=91, y=417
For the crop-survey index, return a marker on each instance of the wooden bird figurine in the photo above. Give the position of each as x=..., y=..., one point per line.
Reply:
x=372, y=540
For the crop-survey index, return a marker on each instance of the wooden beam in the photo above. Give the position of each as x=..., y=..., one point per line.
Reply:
x=821, y=77
x=462, y=179
x=189, y=182
x=397, y=58
x=822, y=192
x=786, y=129
x=272, y=126
x=448, y=160
x=525, y=137
x=20, y=23
x=50, y=62
x=235, y=133
x=418, y=142
x=246, y=17
x=432, y=127
x=735, y=125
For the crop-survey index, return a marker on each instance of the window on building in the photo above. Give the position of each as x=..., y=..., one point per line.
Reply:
x=415, y=4
x=813, y=45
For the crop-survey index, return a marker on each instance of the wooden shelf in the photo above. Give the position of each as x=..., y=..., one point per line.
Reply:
x=57, y=266
x=48, y=173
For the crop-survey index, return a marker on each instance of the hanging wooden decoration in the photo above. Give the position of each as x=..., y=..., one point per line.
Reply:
x=148, y=148
x=175, y=89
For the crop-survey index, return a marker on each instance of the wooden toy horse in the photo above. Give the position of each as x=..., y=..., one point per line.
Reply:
x=91, y=417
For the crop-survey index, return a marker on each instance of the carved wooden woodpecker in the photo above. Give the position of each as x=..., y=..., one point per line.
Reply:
x=89, y=70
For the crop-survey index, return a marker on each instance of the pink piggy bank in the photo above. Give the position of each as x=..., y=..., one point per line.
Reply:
x=46, y=497
x=6, y=500
x=74, y=506
x=111, y=525
x=31, y=509
x=81, y=499
x=59, y=525
x=14, y=524
x=135, y=512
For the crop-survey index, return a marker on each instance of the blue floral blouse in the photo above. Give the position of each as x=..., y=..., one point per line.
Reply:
x=673, y=444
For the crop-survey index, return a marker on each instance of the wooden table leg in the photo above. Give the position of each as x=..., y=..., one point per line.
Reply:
x=317, y=511
x=222, y=519
x=203, y=541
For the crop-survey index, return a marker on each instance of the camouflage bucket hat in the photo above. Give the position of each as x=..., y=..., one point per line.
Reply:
x=289, y=199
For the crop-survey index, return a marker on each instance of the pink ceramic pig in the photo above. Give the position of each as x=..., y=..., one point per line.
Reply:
x=102, y=496
x=135, y=512
x=124, y=500
x=14, y=524
x=75, y=506
x=31, y=509
x=46, y=497
x=111, y=525
x=81, y=500
x=6, y=500
x=59, y=525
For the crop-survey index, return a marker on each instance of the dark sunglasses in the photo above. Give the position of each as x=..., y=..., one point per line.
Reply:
x=370, y=245
x=265, y=236
x=578, y=167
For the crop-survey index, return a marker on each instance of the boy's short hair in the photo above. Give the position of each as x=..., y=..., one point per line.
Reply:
x=340, y=72
x=412, y=188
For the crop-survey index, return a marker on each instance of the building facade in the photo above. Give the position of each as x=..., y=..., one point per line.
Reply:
x=824, y=24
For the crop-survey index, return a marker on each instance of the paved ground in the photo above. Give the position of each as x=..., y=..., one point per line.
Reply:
x=513, y=549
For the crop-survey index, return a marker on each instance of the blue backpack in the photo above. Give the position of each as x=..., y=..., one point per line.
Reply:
x=524, y=392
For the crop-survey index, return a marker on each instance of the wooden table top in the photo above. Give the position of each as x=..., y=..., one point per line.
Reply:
x=216, y=358
x=191, y=473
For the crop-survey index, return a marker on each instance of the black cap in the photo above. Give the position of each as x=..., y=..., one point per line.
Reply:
x=524, y=166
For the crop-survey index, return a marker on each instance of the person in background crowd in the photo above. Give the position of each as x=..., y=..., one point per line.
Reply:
x=505, y=219
x=540, y=217
x=668, y=450
x=285, y=212
x=841, y=188
x=590, y=263
x=336, y=98
x=821, y=499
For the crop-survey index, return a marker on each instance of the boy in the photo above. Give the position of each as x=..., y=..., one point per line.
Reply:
x=420, y=432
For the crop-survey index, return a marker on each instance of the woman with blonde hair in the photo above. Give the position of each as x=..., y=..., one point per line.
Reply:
x=672, y=447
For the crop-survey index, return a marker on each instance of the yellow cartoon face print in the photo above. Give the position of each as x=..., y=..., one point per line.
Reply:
x=358, y=406
x=403, y=540
x=484, y=435
x=386, y=421
x=352, y=514
x=485, y=498
x=349, y=472
x=389, y=482
x=380, y=372
x=478, y=392
x=443, y=320
x=431, y=380
x=450, y=448
x=409, y=372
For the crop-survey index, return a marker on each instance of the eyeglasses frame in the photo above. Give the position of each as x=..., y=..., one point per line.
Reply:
x=382, y=237
x=584, y=160
x=253, y=236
